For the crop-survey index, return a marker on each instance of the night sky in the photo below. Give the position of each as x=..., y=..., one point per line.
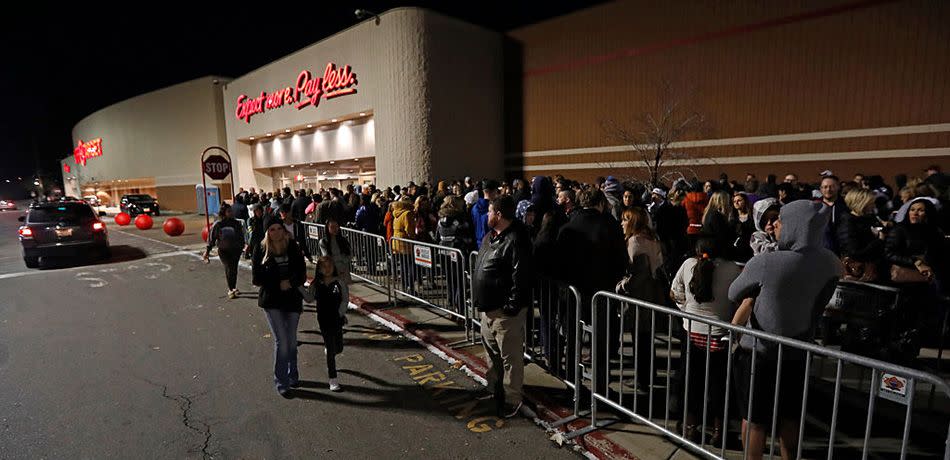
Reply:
x=63, y=63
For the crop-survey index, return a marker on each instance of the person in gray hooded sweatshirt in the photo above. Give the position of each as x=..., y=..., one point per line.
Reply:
x=790, y=287
x=764, y=213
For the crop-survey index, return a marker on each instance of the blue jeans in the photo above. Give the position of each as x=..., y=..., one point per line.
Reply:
x=283, y=325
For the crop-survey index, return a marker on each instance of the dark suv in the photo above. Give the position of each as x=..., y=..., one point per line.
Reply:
x=69, y=228
x=137, y=204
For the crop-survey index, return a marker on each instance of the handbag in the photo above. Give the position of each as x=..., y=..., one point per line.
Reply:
x=859, y=271
x=903, y=275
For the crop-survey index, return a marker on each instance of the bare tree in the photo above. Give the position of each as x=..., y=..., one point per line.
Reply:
x=653, y=135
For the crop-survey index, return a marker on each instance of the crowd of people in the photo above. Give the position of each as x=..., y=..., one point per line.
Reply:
x=763, y=255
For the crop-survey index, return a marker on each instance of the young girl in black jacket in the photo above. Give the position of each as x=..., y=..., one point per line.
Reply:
x=328, y=293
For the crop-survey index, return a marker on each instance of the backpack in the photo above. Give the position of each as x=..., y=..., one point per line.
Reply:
x=228, y=238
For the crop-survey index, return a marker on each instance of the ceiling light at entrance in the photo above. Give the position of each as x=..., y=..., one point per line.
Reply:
x=252, y=138
x=362, y=114
x=310, y=126
x=332, y=162
x=268, y=134
x=286, y=130
x=333, y=120
x=291, y=166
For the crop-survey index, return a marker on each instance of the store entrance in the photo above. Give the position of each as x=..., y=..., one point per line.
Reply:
x=326, y=175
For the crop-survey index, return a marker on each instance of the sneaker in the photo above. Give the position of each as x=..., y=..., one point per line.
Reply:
x=285, y=392
x=237, y=291
x=335, y=386
x=484, y=395
x=512, y=410
x=232, y=294
x=295, y=384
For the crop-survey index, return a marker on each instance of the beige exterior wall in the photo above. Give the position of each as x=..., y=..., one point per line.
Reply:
x=433, y=84
x=157, y=135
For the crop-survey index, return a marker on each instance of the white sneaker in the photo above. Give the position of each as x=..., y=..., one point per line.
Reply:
x=232, y=294
x=335, y=386
x=237, y=291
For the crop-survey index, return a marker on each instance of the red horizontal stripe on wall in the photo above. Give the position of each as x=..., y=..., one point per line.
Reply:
x=708, y=36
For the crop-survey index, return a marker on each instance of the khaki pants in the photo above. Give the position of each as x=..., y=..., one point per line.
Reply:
x=503, y=338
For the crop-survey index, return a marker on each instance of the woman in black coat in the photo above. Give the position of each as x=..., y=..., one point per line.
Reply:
x=917, y=245
x=861, y=247
x=279, y=270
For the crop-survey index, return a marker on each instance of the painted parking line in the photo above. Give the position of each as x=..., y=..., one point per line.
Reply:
x=447, y=386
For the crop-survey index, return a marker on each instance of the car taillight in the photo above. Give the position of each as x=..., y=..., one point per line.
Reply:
x=98, y=226
x=25, y=232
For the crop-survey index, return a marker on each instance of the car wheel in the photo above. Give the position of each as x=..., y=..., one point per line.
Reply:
x=31, y=262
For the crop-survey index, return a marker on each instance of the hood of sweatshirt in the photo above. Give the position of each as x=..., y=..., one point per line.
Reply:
x=803, y=225
x=760, y=208
x=482, y=206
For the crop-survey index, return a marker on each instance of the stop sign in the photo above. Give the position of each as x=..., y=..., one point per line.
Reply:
x=217, y=167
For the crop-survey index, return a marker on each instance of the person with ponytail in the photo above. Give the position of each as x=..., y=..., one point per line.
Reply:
x=701, y=287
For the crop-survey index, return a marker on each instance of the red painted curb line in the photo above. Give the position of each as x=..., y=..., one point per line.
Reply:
x=595, y=443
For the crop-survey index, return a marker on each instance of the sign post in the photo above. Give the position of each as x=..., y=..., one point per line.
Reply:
x=217, y=167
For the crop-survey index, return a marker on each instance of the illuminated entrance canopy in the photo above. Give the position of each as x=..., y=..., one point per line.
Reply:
x=308, y=91
x=86, y=150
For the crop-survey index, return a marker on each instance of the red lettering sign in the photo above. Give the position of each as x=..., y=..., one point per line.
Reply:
x=86, y=150
x=308, y=91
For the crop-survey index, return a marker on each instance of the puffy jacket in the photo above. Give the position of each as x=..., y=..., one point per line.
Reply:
x=856, y=240
x=456, y=232
x=504, y=271
x=695, y=204
x=404, y=226
x=268, y=276
x=593, y=249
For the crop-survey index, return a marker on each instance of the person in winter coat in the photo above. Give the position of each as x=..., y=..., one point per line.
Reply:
x=228, y=235
x=643, y=280
x=592, y=244
x=916, y=242
x=335, y=246
x=613, y=191
x=454, y=230
x=404, y=227
x=255, y=229
x=542, y=196
x=764, y=213
x=328, y=291
x=742, y=221
x=860, y=246
x=296, y=230
x=480, y=210
x=695, y=204
x=388, y=221
x=367, y=216
x=716, y=223
x=426, y=219
x=701, y=287
x=502, y=281
x=279, y=270
x=790, y=288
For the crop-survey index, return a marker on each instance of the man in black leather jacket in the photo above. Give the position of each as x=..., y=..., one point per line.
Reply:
x=501, y=288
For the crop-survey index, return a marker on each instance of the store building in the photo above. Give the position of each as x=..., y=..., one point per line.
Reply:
x=414, y=95
x=150, y=143
x=409, y=95
x=782, y=87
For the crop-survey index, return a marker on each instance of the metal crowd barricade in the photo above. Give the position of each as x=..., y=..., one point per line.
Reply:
x=620, y=323
x=432, y=275
x=370, y=258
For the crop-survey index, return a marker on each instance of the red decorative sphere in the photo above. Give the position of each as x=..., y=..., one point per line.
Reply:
x=143, y=222
x=122, y=218
x=173, y=226
x=204, y=232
